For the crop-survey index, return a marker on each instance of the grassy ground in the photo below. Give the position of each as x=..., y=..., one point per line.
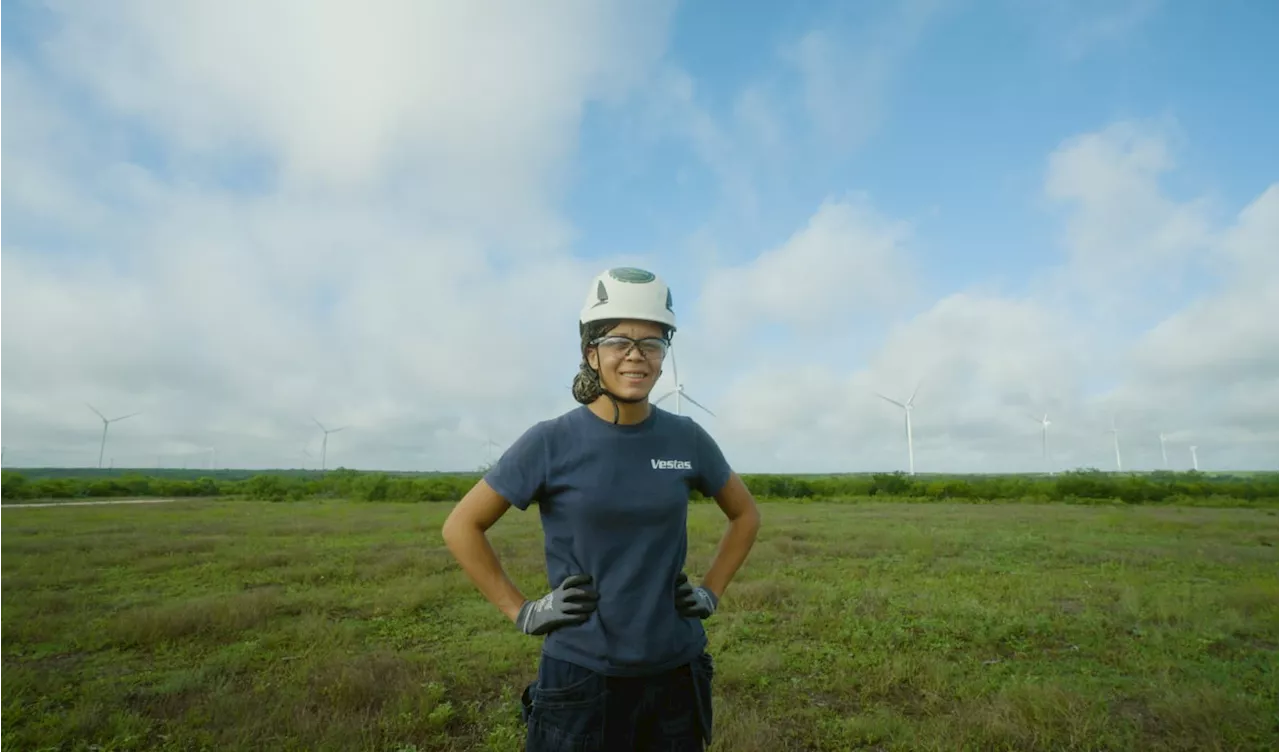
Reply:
x=336, y=626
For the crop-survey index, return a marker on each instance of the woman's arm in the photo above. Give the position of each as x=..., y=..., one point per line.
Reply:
x=464, y=534
x=744, y=523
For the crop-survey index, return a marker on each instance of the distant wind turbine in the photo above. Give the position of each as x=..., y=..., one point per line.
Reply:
x=105, y=423
x=1044, y=440
x=906, y=412
x=679, y=391
x=1195, y=461
x=324, y=445
x=490, y=445
x=1164, y=455
x=1115, y=439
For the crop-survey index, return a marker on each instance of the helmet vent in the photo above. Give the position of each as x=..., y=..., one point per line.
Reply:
x=631, y=274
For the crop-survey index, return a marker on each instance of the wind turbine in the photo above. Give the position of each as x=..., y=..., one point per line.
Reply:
x=1115, y=438
x=1195, y=461
x=679, y=390
x=1044, y=440
x=1164, y=455
x=490, y=445
x=324, y=445
x=105, y=423
x=906, y=411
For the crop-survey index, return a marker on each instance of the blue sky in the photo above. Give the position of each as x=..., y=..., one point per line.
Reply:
x=1050, y=205
x=983, y=94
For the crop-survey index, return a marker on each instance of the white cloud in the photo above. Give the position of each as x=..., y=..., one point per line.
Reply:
x=847, y=258
x=469, y=108
x=1113, y=22
x=1072, y=30
x=1213, y=366
x=986, y=365
x=1122, y=226
x=39, y=150
x=845, y=85
x=398, y=268
x=399, y=262
x=982, y=365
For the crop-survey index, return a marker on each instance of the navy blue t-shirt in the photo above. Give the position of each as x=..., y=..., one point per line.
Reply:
x=614, y=504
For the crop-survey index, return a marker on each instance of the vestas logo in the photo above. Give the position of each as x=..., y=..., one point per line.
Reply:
x=671, y=464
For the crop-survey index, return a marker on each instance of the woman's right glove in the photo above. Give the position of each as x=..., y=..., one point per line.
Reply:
x=571, y=603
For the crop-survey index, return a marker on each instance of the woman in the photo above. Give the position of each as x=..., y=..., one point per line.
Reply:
x=624, y=663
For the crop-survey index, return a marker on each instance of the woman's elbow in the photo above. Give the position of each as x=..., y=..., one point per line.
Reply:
x=457, y=527
x=473, y=515
x=750, y=518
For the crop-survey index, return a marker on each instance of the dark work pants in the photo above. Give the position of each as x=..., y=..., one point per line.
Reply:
x=573, y=709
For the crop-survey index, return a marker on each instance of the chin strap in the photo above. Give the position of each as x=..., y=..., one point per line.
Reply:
x=615, y=399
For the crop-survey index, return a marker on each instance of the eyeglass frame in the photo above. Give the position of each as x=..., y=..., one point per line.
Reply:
x=635, y=344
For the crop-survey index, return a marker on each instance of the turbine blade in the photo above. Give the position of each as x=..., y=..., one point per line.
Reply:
x=95, y=410
x=318, y=423
x=894, y=401
x=914, y=392
x=668, y=394
x=691, y=399
x=122, y=417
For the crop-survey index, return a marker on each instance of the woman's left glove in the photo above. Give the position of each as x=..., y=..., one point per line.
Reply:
x=694, y=602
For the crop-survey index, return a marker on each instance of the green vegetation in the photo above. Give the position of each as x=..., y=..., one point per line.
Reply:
x=329, y=625
x=1083, y=486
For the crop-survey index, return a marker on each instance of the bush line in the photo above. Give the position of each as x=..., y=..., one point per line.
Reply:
x=1078, y=486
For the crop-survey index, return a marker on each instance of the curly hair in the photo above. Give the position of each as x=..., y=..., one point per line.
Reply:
x=586, y=384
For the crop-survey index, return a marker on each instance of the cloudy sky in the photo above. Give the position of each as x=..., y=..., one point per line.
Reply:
x=235, y=217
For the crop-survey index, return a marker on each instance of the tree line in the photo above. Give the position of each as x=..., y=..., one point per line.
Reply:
x=1079, y=486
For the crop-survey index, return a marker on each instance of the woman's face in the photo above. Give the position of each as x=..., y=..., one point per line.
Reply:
x=629, y=358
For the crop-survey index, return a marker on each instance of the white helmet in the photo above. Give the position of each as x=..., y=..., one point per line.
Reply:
x=627, y=293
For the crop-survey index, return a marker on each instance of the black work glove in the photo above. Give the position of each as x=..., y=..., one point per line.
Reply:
x=694, y=602
x=571, y=603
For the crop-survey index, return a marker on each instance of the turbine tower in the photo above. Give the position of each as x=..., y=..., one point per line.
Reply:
x=1044, y=440
x=1115, y=439
x=1195, y=461
x=679, y=390
x=906, y=412
x=1164, y=455
x=105, y=423
x=324, y=445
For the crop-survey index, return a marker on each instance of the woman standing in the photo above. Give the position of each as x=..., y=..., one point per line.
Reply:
x=624, y=663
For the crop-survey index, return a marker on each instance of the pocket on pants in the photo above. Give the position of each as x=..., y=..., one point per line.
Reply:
x=565, y=708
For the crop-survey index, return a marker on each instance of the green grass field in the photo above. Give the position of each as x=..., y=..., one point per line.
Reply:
x=341, y=626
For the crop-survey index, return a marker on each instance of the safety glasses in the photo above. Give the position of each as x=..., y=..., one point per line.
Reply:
x=618, y=346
